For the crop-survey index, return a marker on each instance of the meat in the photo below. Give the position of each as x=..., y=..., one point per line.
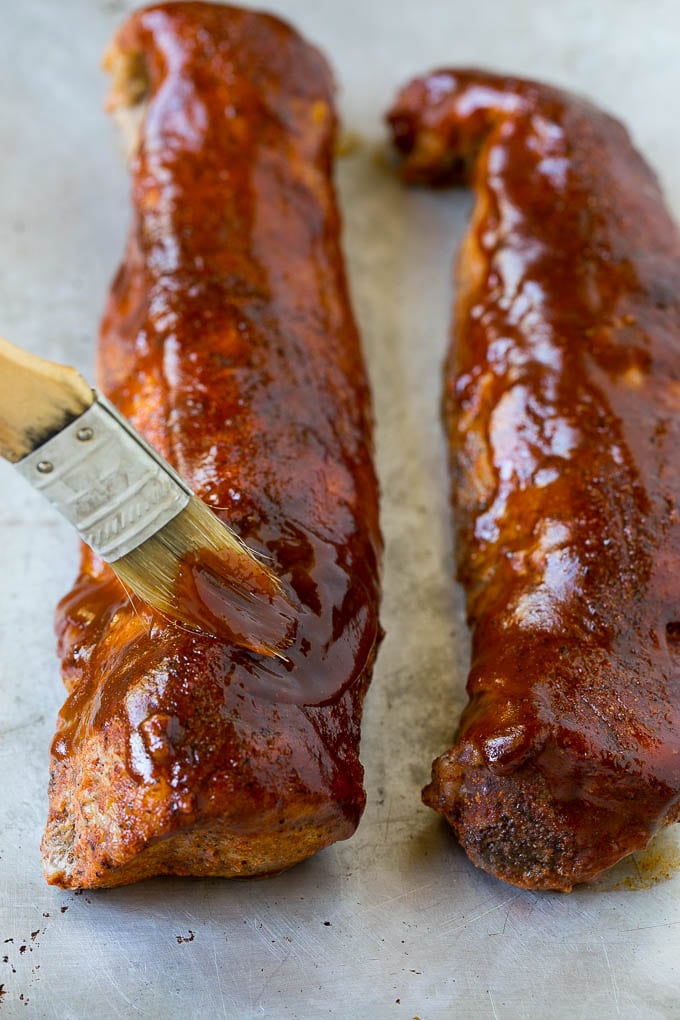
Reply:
x=561, y=401
x=229, y=341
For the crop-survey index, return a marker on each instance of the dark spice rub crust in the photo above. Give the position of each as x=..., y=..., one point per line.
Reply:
x=229, y=341
x=561, y=405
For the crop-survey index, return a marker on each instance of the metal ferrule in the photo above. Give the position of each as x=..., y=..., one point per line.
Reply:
x=107, y=481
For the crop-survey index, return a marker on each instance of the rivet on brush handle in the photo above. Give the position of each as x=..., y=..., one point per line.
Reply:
x=107, y=481
x=37, y=399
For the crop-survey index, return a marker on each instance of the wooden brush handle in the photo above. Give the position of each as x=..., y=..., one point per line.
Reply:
x=37, y=399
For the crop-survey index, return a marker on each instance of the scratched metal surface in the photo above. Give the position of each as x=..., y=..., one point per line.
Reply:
x=395, y=922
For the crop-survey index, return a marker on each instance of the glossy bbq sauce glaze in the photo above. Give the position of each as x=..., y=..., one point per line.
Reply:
x=219, y=598
x=561, y=401
x=230, y=343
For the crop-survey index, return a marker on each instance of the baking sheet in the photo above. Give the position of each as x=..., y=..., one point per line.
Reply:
x=395, y=922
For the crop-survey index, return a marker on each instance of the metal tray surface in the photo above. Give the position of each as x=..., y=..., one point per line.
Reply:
x=395, y=922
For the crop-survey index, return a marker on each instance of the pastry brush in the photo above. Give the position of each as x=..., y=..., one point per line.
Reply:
x=133, y=509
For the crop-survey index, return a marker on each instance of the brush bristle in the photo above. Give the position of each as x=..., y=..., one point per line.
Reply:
x=248, y=589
